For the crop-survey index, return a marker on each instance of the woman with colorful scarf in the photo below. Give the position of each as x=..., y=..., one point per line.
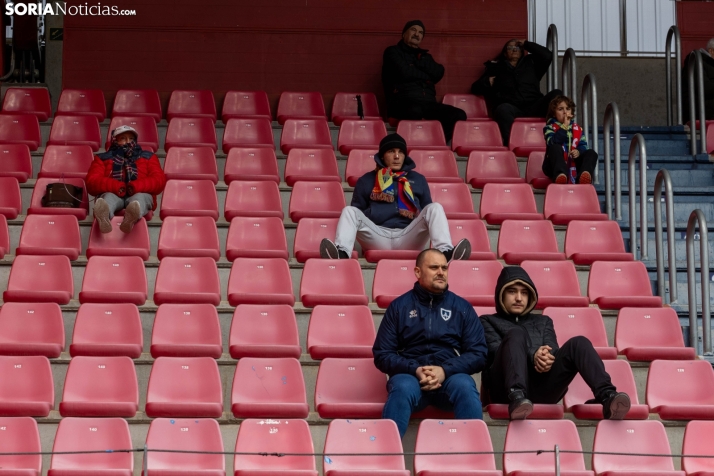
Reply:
x=125, y=177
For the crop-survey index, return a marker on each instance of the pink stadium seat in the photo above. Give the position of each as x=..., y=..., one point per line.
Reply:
x=455, y=198
x=589, y=241
x=474, y=231
x=340, y=331
x=82, y=102
x=313, y=133
x=475, y=280
x=50, y=235
x=300, y=105
x=70, y=161
x=191, y=132
x=92, y=434
x=436, y=165
x=681, y=389
x=245, y=105
x=40, y=279
x=501, y=202
x=184, y=387
x=107, y=330
x=253, y=199
x=118, y=243
x=360, y=134
x=337, y=282
x=189, y=237
x=541, y=411
x=16, y=161
x=647, y=334
x=31, y=329
x=520, y=240
x=260, y=281
x=350, y=388
x=392, y=278
x=373, y=256
x=251, y=164
x=269, y=387
x=253, y=132
x=41, y=188
x=470, y=136
x=187, y=281
x=193, y=103
x=454, y=436
x=186, y=330
x=618, y=284
x=75, y=130
x=114, y=279
x=581, y=321
x=185, y=435
x=344, y=107
x=20, y=129
x=309, y=233
x=710, y=136
x=256, y=237
x=4, y=236
x=422, y=134
x=492, y=167
x=189, y=198
x=145, y=128
x=534, y=171
x=137, y=102
x=316, y=200
x=10, y=198
x=264, y=330
x=359, y=162
x=26, y=386
x=311, y=165
x=564, y=203
x=21, y=435
x=696, y=442
x=474, y=106
x=526, y=137
x=34, y=101
x=556, y=282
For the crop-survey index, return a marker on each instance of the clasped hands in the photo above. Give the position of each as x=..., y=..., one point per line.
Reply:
x=543, y=359
x=430, y=377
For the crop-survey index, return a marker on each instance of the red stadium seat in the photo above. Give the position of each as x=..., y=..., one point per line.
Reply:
x=4, y=236
x=244, y=132
x=474, y=231
x=75, y=130
x=40, y=190
x=187, y=281
x=484, y=310
x=31, y=329
x=681, y=389
x=340, y=331
x=534, y=171
x=21, y=435
x=541, y=411
x=313, y=133
x=189, y=237
x=300, y=105
x=590, y=241
x=696, y=442
x=26, y=386
x=646, y=334
x=20, y=129
x=422, y=134
x=710, y=136
x=256, y=237
x=526, y=137
x=350, y=388
x=618, y=284
x=82, y=102
x=264, y=330
x=145, y=128
x=436, y=165
x=373, y=256
x=184, y=387
x=514, y=201
x=193, y=103
x=253, y=199
x=557, y=283
x=337, y=282
x=118, y=243
x=475, y=280
x=137, y=102
x=581, y=321
x=10, y=198
x=186, y=436
x=75, y=435
x=186, y=330
x=455, y=198
x=344, y=107
x=114, y=279
x=470, y=136
x=392, y=278
x=191, y=132
x=107, y=330
x=50, y=235
x=189, y=198
x=359, y=162
x=40, y=279
x=269, y=387
x=245, y=105
x=360, y=134
x=260, y=281
x=520, y=240
x=309, y=233
x=70, y=161
x=564, y=203
x=16, y=161
x=251, y=164
x=311, y=165
x=316, y=200
x=492, y=167
x=34, y=101
x=473, y=106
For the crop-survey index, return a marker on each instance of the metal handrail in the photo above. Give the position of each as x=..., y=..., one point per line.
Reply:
x=638, y=142
x=551, y=42
x=568, y=74
x=589, y=91
x=697, y=217
x=695, y=57
x=673, y=33
x=612, y=115
x=663, y=177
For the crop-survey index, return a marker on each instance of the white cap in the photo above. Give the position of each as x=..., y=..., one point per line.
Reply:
x=123, y=129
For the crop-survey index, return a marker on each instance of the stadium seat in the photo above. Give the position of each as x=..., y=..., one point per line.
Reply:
x=114, y=279
x=245, y=105
x=589, y=241
x=253, y=199
x=264, y=330
x=359, y=162
x=118, y=243
x=185, y=435
x=581, y=321
x=256, y=133
x=251, y=164
x=474, y=280
x=260, y=281
x=696, y=442
x=618, y=284
x=16, y=161
x=344, y=107
x=311, y=165
x=193, y=103
x=31, y=329
x=309, y=233
x=256, y=237
x=436, y=165
x=534, y=171
x=186, y=330
x=26, y=386
x=40, y=279
x=107, y=330
x=300, y=105
x=82, y=102
x=454, y=436
x=520, y=240
x=474, y=231
x=455, y=198
x=100, y=387
x=191, y=132
x=639, y=437
x=145, y=128
x=10, y=198
x=340, y=331
x=290, y=437
x=316, y=200
x=21, y=435
x=189, y=237
x=40, y=190
x=473, y=106
x=392, y=278
x=484, y=310
x=514, y=201
x=557, y=283
x=35, y=101
x=350, y=388
x=75, y=435
x=313, y=133
x=50, y=235
x=337, y=282
x=184, y=387
x=269, y=387
x=564, y=203
x=710, y=136
x=20, y=129
x=367, y=438
x=75, y=130
x=681, y=389
x=4, y=236
x=470, y=136
x=189, y=198
x=422, y=134
x=360, y=134
x=191, y=280
x=646, y=334
x=526, y=137
x=137, y=102
x=492, y=167
x=70, y=161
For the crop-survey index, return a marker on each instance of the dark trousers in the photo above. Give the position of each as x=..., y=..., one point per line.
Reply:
x=447, y=115
x=554, y=164
x=505, y=114
x=511, y=370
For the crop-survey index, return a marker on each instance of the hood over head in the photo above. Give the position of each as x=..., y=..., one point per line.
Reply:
x=514, y=275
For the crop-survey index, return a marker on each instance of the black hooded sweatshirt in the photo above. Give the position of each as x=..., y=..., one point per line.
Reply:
x=409, y=74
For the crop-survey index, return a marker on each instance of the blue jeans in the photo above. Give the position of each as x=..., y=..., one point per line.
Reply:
x=458, y=393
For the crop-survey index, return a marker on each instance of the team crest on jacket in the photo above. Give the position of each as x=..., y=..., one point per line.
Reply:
x=412, y=313
x=445, y=314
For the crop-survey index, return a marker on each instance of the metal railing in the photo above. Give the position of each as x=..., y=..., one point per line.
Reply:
x=638, y=143
x=588, y=96
x=697, y=218
x=663, y=178
x=673, y=32
x=695, y=60
x=612, y=116
x=551, y=42
x=569, y=74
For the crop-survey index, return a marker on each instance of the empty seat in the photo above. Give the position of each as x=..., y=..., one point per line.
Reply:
x=145, y=128
x=526, y=137
x=185, y=280
x=534, y=171
x=75, y=130
x=114, y=279
x=309, y=233
x=137, y=102
x=336, y=282
x=66, y=161
x=360, y=134
x=350, y=388
x=256, y=237
x=264, y=330
x=316, y=200
x=345, y=107
x=186, y=330
x=189, y=198
x=514, y=201
x=31, y=329
x=473, y=106
x=10, y=198
x=520, y=240
x=50, y=235
x=422, y=134
x=311, y=165
x=40, y=190
x=246, y=105
x=186, y=436
x=470, y=136
x=253, y=199
x=313, y=133
x=26, y=386
x=82, y=102
x=492, y=167
x=300, y=105
x=340, y=331
x=244, y=132
x=21, y=435
x=557, y=283
x=191, y=103
x=651, y=333
x=35, y=101
x=269, y=387
x=564, y=203
x=474, y=231
x=696, y=442
x=618, y=284
x=191, y=132
x=681, y=389
x=455, y=198
x=392, y=278
x=359, y=162
x=436, y=165
x=189, y=237
x=581, y=321
x=251, y=163
x=20, y=129
x=474, y=280
x=40, y=279
x=16, y=161
x=260, y=281
x=118, y=243
x=105, y=329
x=4, y=236
x=588, y=241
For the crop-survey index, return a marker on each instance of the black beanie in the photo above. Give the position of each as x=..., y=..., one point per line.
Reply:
x=411, y=24
x=392, y=141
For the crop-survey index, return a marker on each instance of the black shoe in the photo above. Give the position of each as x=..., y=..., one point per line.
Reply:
x=461, y=251
x=329, y=250
x=615, y=406
x=520, y=407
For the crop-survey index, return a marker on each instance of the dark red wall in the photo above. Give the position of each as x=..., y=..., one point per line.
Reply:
x=695, y=20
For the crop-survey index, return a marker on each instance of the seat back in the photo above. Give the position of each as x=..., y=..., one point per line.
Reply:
x=187, y=275
x=40, y=279
x=253, y=199
x=309, y=233
x=475, y=280
x=359, y=162
x=585, y=236
x=256, y=237
x=92, y=434
x=392, y=278
x=146, y=129
x=266, y=380
x=618, y=278
x=631, y=436
x=198, y=103
x=475, y=231
x=245, y=104
x=279, y=436
x=534, y=170
x=264, y=330
x=189, y=198
x=10, y=198
x=536, y=435
x=476, y=134
x=34, y=101
x=332, y=282
x=305, y=133
x=344, y=106
x=251, y=163
x=184, y=379
x=350, y=388
x=311, y=165
x=455, y=198
x=186, y=330
x=137, y=102
x=349, y=436
x=50, y=235
x=570, y=322
x=79, y=102
x=360, y=134
x=648, y=327
x=526, y=137
x=340, y=331
x=191, y=163
x=571, y=199
x=696, y=442
x=107, y=329
x=191, y=132
x=507, y=198
x=473, y=106
x=680, y=382
x=186, y=434
x=422, y=134
x=492, y=166
x=621, y=376
x=26, y=380
x=107, y=277
x=316, y=200
x=260, y=281
x=20, y=129
x=436, y=165
x=118, y=243
x=532, y=235
x=16, y=161
x=31, y=329
x=75, y=130
x=453, y=436
x=553, y=278
x=248, y=132
x=300, y=105
x=97, y=380
x=189, y=237
x=20, y=435
x=66, y=161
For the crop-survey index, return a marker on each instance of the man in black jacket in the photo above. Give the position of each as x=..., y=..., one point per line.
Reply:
x=430, y=342
x=409, y=75
x=708, y=74
x=525, y=365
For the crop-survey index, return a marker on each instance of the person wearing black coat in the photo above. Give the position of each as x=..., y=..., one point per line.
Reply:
x=525, y=364
x=708, y=73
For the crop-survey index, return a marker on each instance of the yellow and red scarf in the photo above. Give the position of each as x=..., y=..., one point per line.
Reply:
x=385, y=191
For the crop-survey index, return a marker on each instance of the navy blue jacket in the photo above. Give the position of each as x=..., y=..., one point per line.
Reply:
x=420, y=328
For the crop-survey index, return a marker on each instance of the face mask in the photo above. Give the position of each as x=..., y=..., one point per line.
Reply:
x=127, y=150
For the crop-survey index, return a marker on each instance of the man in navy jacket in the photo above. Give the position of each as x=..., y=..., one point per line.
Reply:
x=430, y=342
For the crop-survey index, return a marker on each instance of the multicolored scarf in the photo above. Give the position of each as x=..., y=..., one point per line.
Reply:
x=575, y=137
x=385, y=191
x=124, y=161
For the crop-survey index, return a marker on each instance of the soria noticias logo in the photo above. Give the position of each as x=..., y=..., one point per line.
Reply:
x=61, y=7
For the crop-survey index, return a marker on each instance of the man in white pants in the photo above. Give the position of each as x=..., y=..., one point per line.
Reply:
x=392, y=210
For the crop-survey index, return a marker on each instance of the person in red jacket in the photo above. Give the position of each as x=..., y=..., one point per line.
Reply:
x=124, y=178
